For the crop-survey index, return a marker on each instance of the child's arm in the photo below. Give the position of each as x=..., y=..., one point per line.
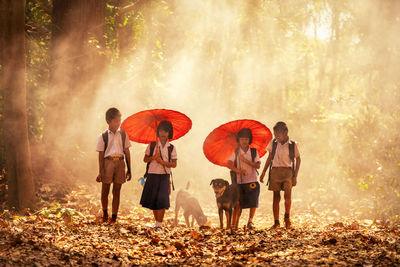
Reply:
x=128, y=160
x=156, y=155
x=101, y=166
x=267, y=163
x=233, y=168
x=255, y=165
x=298, y=161
x=167, y=164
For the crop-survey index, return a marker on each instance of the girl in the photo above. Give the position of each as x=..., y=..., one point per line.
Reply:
x=160, y=157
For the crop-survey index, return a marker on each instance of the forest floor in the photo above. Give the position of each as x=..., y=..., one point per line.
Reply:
x=70, y=232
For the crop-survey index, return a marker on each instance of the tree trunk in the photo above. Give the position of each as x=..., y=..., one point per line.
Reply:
x=77, y=67
x=15, y=127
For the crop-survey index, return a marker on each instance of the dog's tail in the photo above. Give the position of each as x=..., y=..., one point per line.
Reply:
x=187, y=185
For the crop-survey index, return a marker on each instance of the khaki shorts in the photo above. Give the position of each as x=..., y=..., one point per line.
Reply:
x=281, y=179
x=114, y=171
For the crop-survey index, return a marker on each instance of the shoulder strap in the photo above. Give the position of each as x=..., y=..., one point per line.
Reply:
x=291, y=154
x=170, y=148
x=291, y=149
x=123, y=137
x=274, y=145
x=236, y=154
x=105, y=139
x=253, y=152
x=152, y=147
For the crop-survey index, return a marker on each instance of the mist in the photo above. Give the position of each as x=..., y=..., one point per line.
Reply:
x=325, y=73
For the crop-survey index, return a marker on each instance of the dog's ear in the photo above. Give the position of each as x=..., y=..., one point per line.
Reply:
x=226, y=183
x=212, y=181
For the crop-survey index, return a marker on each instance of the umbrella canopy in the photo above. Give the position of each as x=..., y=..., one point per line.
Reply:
x=222, y=141
x=141, y=127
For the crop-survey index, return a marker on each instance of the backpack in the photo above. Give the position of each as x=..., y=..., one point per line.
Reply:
x=253, y=152
x=291, y=155
x=152, y=147
x=123, y=137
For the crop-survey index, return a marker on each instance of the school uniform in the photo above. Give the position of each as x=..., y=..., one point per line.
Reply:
x=155, y=195
x=114, y=164
x=249, y=187
x=281, y=168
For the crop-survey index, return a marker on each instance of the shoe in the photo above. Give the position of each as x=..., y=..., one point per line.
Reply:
x=105, y=219
x=288, y=223
x=157, y=228
x=113, y=218
x=276, y=226
x=250, y=226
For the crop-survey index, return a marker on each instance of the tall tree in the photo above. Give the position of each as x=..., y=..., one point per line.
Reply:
x=77, y=64
x=15, y=126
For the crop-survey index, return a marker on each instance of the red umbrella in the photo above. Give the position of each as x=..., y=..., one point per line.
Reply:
x=221, y=142
x=141, y=127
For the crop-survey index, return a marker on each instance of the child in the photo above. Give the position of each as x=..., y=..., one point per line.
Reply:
x=160, y=158
x=112, y=145
x=283, y=174
x=243, y=162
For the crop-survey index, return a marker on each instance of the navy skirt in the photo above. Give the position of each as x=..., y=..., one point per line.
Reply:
x=155, y=195
x=249, y=194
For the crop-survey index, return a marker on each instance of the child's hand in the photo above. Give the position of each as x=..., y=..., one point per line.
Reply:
x=160, y=161
x=243, y=159
x=128, y=176
x=98, y=179
x=157, y=155
x=243, y=171
x=294, y=181
x=262, y=177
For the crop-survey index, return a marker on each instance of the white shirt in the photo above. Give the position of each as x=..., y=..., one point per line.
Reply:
x=157, y=168
x=251, y=174
x=281, y=158
x=114, y=146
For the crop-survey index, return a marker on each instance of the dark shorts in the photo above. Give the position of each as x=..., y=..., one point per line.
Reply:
x=114, y=171
x=155, y=195
x=249, y=194
x=281, y=179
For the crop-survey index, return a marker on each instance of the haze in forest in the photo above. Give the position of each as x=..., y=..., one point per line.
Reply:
x=329, y=73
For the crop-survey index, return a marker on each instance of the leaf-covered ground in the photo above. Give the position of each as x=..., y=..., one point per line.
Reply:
x=70, y=233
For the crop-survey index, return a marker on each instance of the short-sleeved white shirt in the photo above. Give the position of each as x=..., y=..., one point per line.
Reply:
x=281, y=158
x=157, y=168
x=114, y=146
x=251, y=174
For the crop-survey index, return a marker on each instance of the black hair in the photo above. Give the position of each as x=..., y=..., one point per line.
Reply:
x=280, y=126
x=112, y=113
x=167, y=127
x=245, y=133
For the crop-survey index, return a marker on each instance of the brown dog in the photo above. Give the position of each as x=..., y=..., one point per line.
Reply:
x=190, y=206
x=227, y=196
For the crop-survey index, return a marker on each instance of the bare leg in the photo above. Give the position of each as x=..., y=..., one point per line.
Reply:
x=155, y=214
x=160, y=215
x=288, y=200
x=105, y=190
x=116, y=196
x=251, y=214
x=275, y=204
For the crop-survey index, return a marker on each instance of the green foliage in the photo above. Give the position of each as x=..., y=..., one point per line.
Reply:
x=58, y=211
x=38, y=64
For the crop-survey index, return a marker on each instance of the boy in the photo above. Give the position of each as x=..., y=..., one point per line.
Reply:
x=112, y=145
x=244, y=161
x=283, y=174
x=160, y=157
